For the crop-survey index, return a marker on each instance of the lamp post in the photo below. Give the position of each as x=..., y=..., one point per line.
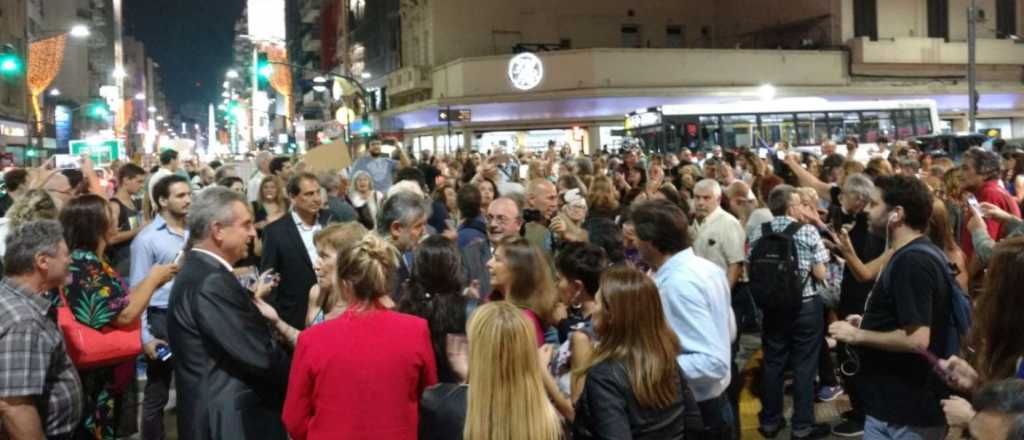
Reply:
x=972, y=80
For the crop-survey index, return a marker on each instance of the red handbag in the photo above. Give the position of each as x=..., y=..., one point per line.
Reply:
x=90, y=348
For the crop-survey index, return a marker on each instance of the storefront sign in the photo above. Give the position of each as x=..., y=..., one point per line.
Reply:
x=13, y=129
x=100, y=151
x=455, y=114
x=62, y=117
x=646, y=119
x=525, y=71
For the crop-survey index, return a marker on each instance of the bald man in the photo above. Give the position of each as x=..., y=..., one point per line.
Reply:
x=541, y=206
x=503, y=220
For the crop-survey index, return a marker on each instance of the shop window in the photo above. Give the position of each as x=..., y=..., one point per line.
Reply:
x=674, y=36
x=875, y=125
x=812, y=128
x=738, y=130
x=778, y=128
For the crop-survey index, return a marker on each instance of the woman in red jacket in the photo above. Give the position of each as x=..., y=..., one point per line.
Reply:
x=360, y=375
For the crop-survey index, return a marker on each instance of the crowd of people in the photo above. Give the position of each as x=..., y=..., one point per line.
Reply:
x=517, y=295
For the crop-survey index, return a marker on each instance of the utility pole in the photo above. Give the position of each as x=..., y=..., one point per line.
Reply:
x=255, y=90
x=448, y=140
x=972, y=66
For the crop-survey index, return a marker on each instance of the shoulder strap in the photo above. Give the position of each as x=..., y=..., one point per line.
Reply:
x=766, y=228
x=792, y=229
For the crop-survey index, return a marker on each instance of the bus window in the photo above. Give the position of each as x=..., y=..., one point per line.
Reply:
x=778, y=127
x=843, y=125
x=923, y=121
x=738, y=130
x=875, y=124
x=904, y=122
x=710, y=134
x=813, y=128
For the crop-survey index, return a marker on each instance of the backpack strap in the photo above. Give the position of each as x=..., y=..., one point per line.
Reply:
x=792, y=229
x=766, y=228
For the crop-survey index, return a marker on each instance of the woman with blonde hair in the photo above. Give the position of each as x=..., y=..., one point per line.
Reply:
x=634, y=388
x=325, y=302
x=271, y=204
x=603, y=199
x=365, y=199
x=339, y=363
x=35, y=204
x=506, y=395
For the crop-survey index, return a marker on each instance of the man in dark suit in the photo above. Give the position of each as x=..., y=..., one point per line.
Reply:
x=503, y=220
x=231, y=372
x=288, y=249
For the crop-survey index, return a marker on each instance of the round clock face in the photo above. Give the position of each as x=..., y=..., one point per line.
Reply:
x=525, y=71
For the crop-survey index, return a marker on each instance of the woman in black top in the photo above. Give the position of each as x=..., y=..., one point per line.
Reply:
x=634, y=389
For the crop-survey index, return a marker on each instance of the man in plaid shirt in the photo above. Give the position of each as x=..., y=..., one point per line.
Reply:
x=793, y=336
x=40, y=393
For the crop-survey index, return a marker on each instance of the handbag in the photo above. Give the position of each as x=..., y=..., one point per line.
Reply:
x=90, y=348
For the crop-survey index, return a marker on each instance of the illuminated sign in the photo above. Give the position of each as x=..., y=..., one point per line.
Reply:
x=525, y=71
x=13, y=129
x=266, y=20
x=645, y=119
x=455, y=114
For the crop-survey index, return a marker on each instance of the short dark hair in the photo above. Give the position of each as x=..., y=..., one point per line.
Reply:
x=1005, y=397
x=910, y=193
x=13, y=179
x=468, y=201
x=215, y=164
x=129, y=171
x=277, y=164
x=85, y=219
x=168, y=155
x=663, y=224
x=604, y=233
x=411, y=173
x=227, y=181
x=295, y=183
x=162, y=188
x=584, y=262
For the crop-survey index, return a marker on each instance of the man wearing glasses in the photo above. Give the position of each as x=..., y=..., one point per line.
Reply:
x=503, y=220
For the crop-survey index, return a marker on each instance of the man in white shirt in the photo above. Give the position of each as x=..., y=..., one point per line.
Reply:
x=717, y=235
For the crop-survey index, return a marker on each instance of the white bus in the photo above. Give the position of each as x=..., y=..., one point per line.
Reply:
x=802, y=122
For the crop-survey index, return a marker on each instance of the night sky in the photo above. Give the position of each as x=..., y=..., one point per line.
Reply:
x=192, y=42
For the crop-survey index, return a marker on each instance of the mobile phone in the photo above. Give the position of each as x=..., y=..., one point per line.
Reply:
x=180, y=258
x=67, y=161
x=762, y=153
x=973, y=203
x=163, y=353
x=780, y=154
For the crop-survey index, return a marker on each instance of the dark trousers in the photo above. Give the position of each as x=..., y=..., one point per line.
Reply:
x=158, y=381
x=794, y=338
x=718, y=418
x=850, y=382
x=826, y=368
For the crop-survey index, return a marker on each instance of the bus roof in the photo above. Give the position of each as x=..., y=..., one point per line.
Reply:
x=792, y=105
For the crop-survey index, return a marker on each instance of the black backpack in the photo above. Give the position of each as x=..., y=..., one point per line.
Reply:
x=774, y=269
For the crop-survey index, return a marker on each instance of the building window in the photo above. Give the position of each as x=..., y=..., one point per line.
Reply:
x=938, y=19
x=1006, y=18
x=865, y=19
x=674, y=36
x=631, y=35
x=358, y=9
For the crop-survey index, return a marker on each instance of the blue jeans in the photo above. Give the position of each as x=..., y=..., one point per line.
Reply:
x=875, y=429
x=794, y=338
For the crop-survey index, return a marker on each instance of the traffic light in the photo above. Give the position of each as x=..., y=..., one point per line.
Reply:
x=99, y=110
x=10, y=63
x=263, y=67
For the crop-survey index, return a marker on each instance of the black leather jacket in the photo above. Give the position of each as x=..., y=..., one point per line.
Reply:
x=607, y=409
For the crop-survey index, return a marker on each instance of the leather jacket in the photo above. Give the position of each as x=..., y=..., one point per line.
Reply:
x=607, y=409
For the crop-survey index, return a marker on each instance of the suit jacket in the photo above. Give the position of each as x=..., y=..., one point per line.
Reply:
x=230, y=370
x=474, y=264
x=284, y=252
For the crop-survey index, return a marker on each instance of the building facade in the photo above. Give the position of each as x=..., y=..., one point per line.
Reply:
x=14, y=126
x=603, y=59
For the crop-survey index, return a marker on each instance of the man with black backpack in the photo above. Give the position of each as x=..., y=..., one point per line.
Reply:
x=786, y=261
x=913, y=314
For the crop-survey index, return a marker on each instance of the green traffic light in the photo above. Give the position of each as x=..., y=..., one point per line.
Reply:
x=9, y=63
x=99, y=111
x=266, y=70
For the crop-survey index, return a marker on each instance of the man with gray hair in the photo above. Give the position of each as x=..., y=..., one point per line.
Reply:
x=40, y=393
x=981, y=177
x=402, y=221
x=341, y=211
x=717, y=235
x=231, y=371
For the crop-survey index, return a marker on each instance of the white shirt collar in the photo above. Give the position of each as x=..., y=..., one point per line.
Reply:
x=216, y=257
x=301, y=224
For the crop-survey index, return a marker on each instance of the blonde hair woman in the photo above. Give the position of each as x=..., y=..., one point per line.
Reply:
x=365, y=199
x=271, y=204
x=507, y=399
x=339, y=363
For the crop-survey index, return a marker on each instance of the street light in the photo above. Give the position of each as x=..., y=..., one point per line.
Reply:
x=119, y=73
x=140, y=96
x=55, y=92
x=160, y=118
x=79, y=31
x=152, y=109
x=366, y=75
x=766, y=92
x=232, y=74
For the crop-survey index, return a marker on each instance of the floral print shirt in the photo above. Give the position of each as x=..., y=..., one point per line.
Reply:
x=96, y=293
